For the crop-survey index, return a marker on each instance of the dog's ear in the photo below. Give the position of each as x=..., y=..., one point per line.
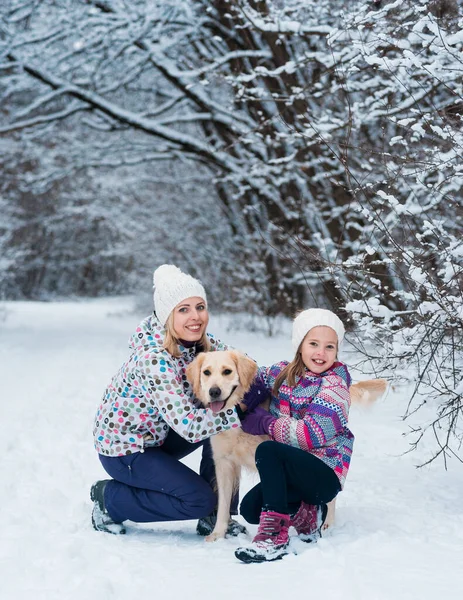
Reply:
x=246, y=368
x=193, y=373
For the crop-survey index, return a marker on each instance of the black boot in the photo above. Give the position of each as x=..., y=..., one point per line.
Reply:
x=206, y=526
x=101, y=520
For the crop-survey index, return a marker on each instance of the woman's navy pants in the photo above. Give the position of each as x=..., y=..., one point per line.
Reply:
x=154, y=485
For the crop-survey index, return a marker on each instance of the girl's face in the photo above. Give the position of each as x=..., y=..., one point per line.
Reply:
x=319, y=349
x=190, y=319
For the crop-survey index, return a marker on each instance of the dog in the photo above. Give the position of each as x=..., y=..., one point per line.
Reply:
x=220, y=380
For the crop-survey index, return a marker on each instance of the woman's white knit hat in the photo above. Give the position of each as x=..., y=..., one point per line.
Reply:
x=171, y=286
x=314, y=317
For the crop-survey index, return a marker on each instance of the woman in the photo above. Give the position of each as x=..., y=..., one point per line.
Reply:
x=149, y=419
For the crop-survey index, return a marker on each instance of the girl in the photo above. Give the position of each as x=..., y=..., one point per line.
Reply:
x=305, y=464
x=148, y=418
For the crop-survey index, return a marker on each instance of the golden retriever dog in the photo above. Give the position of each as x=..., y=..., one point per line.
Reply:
x=220, y=380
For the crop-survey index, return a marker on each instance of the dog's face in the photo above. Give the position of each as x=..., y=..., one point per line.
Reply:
x=220, y=379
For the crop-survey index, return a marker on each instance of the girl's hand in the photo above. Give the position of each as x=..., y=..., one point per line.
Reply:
x=256, y=394
x=257, y=422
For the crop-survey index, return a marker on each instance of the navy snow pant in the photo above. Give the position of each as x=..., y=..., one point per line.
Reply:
x=288, y=476
x=154, y=485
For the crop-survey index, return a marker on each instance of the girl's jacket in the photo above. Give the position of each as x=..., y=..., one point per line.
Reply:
x=313, y=414
x=150, y=394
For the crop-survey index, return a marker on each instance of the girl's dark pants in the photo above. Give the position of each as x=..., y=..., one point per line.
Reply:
x=288, y=476
x=154, y=485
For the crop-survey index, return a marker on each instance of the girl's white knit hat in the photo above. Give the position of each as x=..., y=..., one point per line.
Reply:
x=171, y=286
x=314, y=317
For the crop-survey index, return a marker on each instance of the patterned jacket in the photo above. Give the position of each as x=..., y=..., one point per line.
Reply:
x=313, y=414
x=149, y=394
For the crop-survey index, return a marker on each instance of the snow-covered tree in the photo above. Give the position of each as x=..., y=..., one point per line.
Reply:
x=402, y=73
x=234, y=86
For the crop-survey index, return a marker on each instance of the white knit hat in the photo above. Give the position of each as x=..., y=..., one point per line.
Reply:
x=171, y=286
x=314, y=317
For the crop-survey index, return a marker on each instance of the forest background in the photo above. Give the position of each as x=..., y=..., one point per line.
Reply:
x=288, y=152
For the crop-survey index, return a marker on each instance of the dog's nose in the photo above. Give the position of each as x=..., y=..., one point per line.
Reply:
x=215, y=392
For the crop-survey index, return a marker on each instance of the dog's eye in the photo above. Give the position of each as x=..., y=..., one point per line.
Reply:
x=227, y=372
x=207, y=372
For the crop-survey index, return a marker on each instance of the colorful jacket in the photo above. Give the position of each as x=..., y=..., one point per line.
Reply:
x=150, y=394
x=313, y=414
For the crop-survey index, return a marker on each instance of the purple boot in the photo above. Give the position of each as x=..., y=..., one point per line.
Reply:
x=271, y=541
x=308, y=521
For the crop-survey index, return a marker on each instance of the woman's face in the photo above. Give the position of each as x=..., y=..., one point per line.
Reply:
x=319, y=349
x=190, y=319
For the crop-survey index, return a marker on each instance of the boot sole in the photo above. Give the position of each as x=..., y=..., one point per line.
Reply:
x=247, y=559
x=105, y=530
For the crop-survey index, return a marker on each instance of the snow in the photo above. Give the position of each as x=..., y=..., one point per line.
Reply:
x=398, y=534
x=417, y=275
x=370, y=306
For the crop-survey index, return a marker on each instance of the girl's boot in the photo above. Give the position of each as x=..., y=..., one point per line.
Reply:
x=308, y=521
x=271, y=541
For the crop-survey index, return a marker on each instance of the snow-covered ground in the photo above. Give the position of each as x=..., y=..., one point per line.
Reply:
x=399, y=530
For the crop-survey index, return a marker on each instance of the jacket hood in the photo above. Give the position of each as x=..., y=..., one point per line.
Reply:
x=149, y=335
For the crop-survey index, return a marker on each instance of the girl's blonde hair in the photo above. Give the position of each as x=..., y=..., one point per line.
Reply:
x=295, y=368
x=171, y=341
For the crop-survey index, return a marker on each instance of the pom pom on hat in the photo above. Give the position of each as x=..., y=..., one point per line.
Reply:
x=171, y=286
x=314, y=317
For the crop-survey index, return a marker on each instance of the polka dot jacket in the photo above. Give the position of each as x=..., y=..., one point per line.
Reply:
x=150, y=394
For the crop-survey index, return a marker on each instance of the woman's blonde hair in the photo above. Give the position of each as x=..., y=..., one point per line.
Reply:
x=171, y=341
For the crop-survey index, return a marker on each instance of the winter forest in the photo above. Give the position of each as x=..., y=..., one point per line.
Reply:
x=287, y=152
